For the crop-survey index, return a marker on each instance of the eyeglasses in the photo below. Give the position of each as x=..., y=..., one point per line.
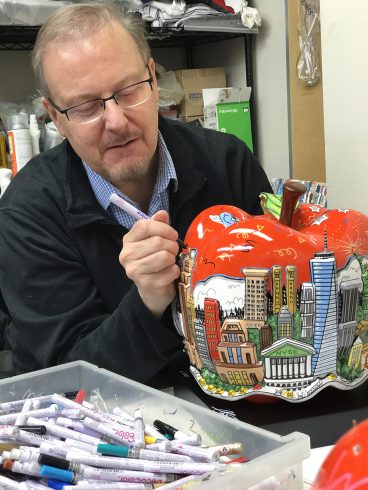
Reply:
x=126, y=98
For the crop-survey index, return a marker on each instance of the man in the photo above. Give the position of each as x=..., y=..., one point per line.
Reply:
x=80, y=278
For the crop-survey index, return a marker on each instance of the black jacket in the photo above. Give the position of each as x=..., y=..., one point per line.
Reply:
x=60, y=277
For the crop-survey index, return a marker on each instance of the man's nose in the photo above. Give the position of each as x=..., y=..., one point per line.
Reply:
x=114, y=115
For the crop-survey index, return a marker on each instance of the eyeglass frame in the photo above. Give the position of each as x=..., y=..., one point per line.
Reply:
x=149, y=80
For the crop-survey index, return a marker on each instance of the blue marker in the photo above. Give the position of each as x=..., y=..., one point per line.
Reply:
x=57, y=473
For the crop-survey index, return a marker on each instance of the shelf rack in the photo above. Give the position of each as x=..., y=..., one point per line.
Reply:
x=191, y=32
x=198, y=29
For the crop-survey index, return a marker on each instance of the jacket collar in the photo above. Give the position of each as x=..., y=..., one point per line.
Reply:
x=82, y=207
x=189, y=174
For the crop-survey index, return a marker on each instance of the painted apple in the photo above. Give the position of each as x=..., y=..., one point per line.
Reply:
x=345, y=467
x=278, y=308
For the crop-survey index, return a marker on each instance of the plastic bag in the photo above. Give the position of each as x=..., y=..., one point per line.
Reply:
x=309, y=63
x=52, y=136
x=28, y=12
x=170, y=90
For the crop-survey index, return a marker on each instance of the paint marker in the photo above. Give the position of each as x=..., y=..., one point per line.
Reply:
x=139, y=429
x=135, y=453
x=58, y=474
x=129, y=464
x=89, y=472
x=9, y=431
x=127, y=419
x=101, y=485
x=10, y=484
x=60, y=463
x=85, y=409
x=76, y=425
x=232, y=448
x=135, y=213
x=35, y=429
x=63, y=432
x=33, y=439
x=24, y=456
x=21, y=418
x=165, y=428
x=11, y=418
x=34, y=485
x=196, y=452
x=120, y=433
x=80, y=396
x=163, y=446
x=179, y=484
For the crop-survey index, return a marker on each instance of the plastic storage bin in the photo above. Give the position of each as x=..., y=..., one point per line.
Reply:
x=275, y=461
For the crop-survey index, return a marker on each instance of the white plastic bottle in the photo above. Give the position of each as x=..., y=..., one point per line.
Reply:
x=20, y=142
x=35, y=134
x=5, y=177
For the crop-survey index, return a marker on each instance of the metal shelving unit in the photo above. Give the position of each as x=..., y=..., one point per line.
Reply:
x=191, y=32
x=198, y=29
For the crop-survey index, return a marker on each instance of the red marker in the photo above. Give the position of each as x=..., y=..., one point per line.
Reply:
x=80, y=396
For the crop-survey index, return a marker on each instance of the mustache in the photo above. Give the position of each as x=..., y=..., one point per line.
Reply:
x=120, y=139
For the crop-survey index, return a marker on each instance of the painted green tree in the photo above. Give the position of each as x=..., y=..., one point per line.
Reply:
x=297, y=325
x=272, y=322
x=253, y=336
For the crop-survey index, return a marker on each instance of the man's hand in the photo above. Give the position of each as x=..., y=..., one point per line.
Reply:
x=148, y=257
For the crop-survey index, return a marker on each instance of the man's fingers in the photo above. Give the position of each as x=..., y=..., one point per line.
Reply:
x=148, y=248
x=153, y=282
x=140, y=263
x=162, y=216
x=143, y=229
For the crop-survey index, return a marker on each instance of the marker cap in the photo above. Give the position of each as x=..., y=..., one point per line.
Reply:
x=113, y=450
x=56, y=484
x=8, y=464
x=80, y=396
x=58, y=474
x=55, y=462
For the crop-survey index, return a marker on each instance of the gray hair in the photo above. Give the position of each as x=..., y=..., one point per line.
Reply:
x=80, y=20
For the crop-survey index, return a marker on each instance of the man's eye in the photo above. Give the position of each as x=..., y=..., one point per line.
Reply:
x=86, y=109
x=127, y=93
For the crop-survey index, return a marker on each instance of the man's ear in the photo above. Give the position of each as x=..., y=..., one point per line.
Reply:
x=152, y=68
x=54, y=115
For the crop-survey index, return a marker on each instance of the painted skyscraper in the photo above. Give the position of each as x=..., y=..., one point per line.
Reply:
x=323, y=275
x=307, y=309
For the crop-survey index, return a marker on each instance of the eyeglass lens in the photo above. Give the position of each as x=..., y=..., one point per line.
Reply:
x=126, y=98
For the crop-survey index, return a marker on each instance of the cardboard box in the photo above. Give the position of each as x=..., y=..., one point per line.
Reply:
x=270, y=455
x=227, y=110
x=193, y=81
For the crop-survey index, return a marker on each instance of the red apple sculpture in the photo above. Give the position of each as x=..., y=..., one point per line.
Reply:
x=278, y=308
x=345, y=466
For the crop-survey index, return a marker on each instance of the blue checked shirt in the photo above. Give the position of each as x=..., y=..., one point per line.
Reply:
x=102, y=188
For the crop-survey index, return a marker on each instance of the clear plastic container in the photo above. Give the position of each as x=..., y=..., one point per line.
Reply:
x=275, y=461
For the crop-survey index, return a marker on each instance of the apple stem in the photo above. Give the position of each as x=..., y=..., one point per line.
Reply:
x=292, y=190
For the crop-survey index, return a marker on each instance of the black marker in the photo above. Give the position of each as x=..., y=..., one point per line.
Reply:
x=169, y=429
x=35, y=429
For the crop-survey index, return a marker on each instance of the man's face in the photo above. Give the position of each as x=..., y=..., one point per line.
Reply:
x=121, y=145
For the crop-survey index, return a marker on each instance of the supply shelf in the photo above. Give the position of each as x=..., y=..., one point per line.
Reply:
x=197, y=29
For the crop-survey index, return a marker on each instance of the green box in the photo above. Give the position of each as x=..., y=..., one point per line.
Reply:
x=227, y=109
x=234, y=118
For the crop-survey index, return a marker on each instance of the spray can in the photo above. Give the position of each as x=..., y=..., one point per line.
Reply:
x=3, y=146
x=20, y=142
x=3, y=159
